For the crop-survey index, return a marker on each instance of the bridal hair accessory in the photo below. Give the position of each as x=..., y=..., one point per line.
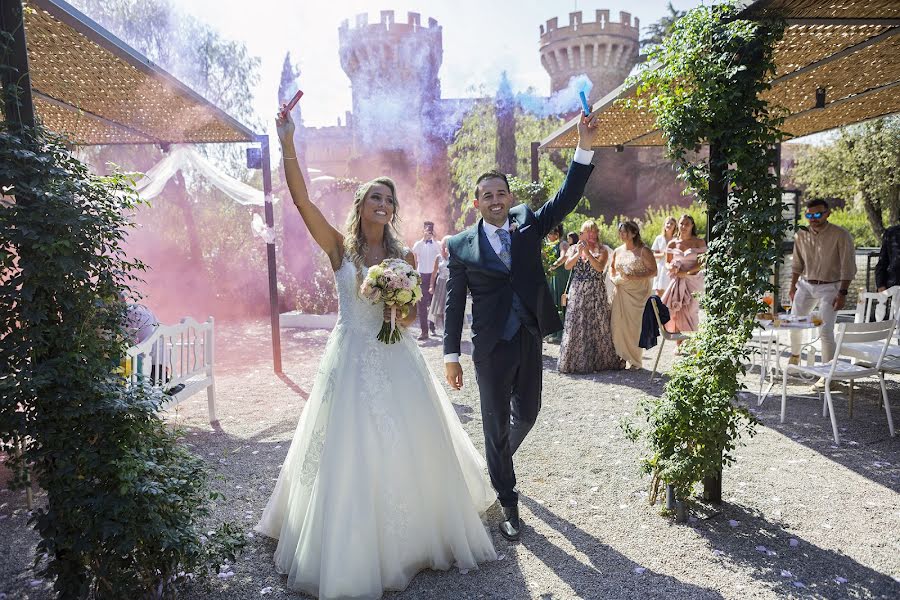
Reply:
x=397, y=285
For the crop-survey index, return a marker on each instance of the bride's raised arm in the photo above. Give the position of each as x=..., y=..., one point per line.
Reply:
x=326, y=236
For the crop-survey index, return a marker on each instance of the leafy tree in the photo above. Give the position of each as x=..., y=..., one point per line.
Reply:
x=864, y=163
x=657, y=32
x=474, y=150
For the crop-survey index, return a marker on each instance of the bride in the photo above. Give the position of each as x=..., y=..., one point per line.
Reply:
x=381, y=481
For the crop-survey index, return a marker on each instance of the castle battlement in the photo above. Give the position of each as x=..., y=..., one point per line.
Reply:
x=387, y=24
x=602, y=25
x=603, y=50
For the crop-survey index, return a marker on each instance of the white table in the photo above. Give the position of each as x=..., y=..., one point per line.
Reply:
x=771, y=363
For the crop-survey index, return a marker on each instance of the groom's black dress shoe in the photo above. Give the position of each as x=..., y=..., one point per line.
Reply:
x=510, y=528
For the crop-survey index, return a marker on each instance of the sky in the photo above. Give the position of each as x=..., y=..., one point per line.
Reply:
x=482, y=38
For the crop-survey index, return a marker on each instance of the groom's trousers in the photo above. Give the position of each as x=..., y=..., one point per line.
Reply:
x=509, y=382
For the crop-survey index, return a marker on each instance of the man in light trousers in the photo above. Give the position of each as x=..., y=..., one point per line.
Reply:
x=824, y=265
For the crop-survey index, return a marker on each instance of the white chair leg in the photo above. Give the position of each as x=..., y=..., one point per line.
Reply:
x=662, y=343
x=211, y=402
x=850, y=399
x=834, y=427
x=784, y=394
x=887, y=404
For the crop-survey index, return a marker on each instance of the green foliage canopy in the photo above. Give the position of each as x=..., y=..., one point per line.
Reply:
x=706, y=88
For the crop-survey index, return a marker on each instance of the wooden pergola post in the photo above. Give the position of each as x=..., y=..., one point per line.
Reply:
x=266, y=163
x=18, y=110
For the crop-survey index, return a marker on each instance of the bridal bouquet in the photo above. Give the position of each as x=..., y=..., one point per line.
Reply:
x=396, y=284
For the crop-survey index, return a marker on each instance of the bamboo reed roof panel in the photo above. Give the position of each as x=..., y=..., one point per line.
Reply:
x=81, y=126
x=816, y=9
x=859, y=108
x=806, y=44
x=617, y=125
x=93, y=87
x=858, y=65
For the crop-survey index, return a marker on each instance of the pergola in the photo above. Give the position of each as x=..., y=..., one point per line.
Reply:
x=837, y=64
x=85, y=83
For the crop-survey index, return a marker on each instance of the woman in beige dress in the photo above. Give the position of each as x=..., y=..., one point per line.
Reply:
x=633, y=268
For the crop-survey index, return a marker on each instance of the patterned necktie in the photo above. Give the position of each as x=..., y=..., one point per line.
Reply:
x=505, y=255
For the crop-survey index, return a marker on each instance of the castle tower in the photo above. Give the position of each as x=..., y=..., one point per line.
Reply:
x=393, y=69
x=604, y=50
x=396, y=125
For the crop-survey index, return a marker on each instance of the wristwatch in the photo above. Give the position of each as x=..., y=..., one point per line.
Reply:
x=843, y=292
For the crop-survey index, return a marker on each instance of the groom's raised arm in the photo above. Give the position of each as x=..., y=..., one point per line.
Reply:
x=566, y=199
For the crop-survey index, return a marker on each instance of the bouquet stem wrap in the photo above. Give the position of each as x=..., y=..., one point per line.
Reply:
x=390, y=332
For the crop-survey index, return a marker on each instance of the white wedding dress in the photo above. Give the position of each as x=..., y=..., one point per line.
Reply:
x=381, y=480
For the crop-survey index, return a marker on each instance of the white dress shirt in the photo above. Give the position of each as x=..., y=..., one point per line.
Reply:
x=582, y=157
x=491, y=232
x=425, y=254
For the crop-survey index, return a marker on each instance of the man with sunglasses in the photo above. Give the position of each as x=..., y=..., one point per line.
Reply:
x=824, y=265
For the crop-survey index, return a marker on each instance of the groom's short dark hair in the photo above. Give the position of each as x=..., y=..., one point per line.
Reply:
x=492, y=174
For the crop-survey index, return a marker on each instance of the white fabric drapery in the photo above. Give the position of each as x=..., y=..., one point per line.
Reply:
x=182, y=157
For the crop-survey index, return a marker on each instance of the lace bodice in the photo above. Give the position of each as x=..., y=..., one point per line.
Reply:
x=354, y=311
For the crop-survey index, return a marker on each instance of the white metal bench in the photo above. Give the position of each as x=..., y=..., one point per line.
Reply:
x=177, y=356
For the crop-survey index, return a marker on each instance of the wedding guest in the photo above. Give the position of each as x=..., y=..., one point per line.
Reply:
x=633, y=268
x=661, y=281
x=572, y=238
x=823, y=265
x=587, y=345
x=887, y=271
x=683, y=263
x=559, y=276
x=426, y=251
x=438, y=289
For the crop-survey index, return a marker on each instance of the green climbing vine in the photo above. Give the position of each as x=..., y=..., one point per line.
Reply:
x=706, y=89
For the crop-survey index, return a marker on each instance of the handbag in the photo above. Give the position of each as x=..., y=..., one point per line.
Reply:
x=564, y=298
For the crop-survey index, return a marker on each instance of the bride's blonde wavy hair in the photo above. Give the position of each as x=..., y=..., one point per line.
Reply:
x=354, y=242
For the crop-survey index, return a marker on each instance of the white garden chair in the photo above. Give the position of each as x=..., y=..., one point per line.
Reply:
x=666, y=335
x=879, y=333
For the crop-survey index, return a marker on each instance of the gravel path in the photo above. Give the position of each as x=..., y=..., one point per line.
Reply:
x=802, y=517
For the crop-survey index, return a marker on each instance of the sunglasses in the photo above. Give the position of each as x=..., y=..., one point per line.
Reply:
x=815, y=215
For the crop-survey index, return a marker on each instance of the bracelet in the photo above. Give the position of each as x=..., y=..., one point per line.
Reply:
x=288, y=157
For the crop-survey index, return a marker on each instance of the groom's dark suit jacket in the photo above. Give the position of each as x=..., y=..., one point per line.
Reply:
x=473, y=266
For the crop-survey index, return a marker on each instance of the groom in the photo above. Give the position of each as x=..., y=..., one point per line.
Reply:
x=499, y=261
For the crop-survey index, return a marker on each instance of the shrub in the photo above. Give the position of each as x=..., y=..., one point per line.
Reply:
x=126, y=504
x=857, y=224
